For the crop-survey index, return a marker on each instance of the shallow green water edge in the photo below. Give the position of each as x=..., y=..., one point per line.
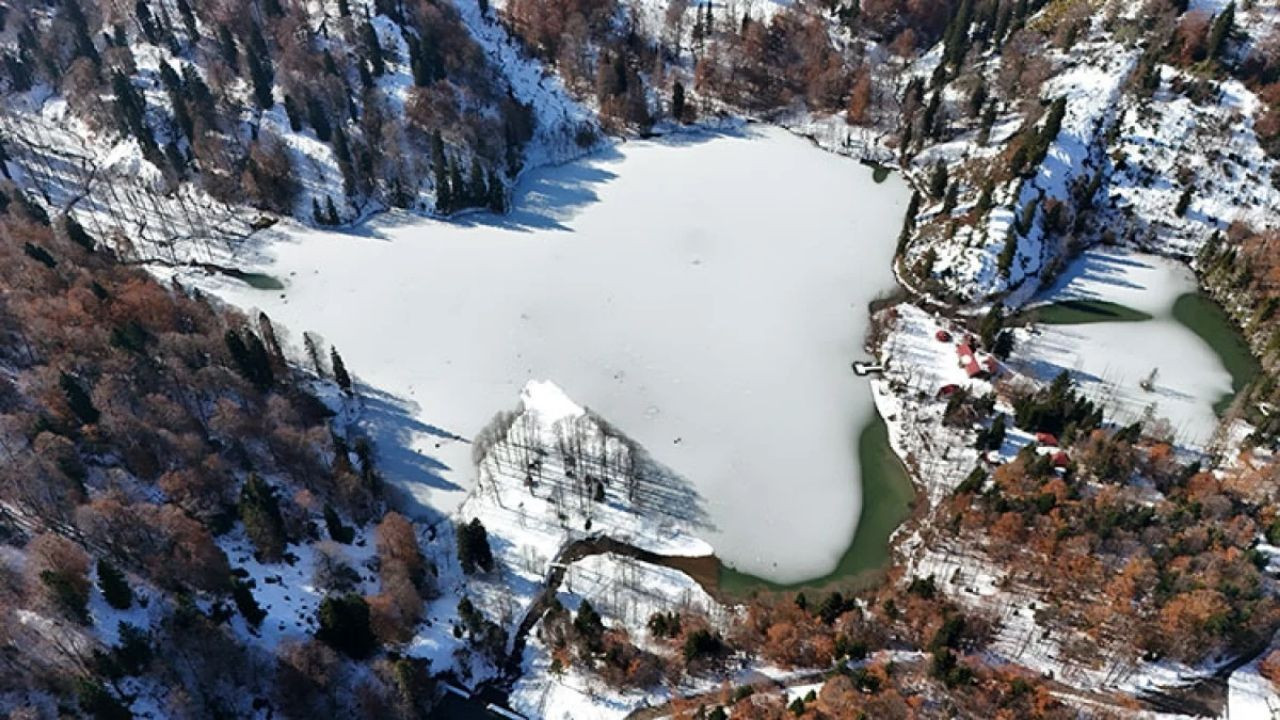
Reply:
x=1080, y=312
x=887, y=496
x=1204, y=317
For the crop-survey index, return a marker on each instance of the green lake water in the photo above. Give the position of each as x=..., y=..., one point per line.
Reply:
x=887, y=495
x=1079, y=312
x=259, y=281
x=1209, y=321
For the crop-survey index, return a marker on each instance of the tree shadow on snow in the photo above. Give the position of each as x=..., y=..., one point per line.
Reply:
x=1103, y=268
x=391, y=425
x=661, y=489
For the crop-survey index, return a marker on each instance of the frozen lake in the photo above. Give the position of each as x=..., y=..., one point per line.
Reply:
x=704, y=294
x=1111, y=359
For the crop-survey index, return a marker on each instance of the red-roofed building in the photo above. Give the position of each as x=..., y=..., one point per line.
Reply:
x=968, y=361
x=992, y=365
x=948, y=390
x=1045, y=438
x=942, y=336
x=1061, y=459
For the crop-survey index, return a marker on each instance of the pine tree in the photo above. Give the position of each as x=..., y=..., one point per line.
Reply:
x=318, y=116
x=188, y=20
x=938, y=180
x=291, y=110
x=344, y=626
x=346, y=164
x=79, y=401
x=316, y=215
x=988, y=122
x=77, y=234
x=951, y=197
x=440, y=168
x=956, y=40
x=132, y=108
x=115, y=588
x=340, y=374
x=227, y=48
x=986, y=200
x=677, y=101
x=588, y=624
x=331, y=212
x=497, y=194
x=250, y=358
x=474, y=552
x=263, y=523
x=246, y=603
x=84, y=47
x=457, y=188
x=478, y=193
x=338, y=532
x=260, y=71
x=1005, y=261
x=1184, y=202
x=991, y=324
x=1221, y=31
x=373, y=49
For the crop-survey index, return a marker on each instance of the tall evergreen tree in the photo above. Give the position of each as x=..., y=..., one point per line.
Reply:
x=340, y=374
x=291, y=111
x=474, y=552
x=372, y=48
x=938, y=180
x=115, y=588
x=1220, y=32
x=440, y=168
x=78, y=400
x=227, y=48
x=77, y=234
x=318, y=116
x=478, y=193
x=344, y=626
x=261, y=73
x=331, y=212
x=263, y=523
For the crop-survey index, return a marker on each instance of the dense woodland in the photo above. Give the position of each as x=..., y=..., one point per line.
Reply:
x=139, y=424
x=191, y=82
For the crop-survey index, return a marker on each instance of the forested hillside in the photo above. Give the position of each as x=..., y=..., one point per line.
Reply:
x=193, y=522
x=152, y=445
x=154, y=121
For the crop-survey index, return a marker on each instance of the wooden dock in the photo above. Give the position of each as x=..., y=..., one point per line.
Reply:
x=862, y=369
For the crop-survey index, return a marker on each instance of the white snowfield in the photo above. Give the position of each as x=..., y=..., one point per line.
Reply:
x=704, y=293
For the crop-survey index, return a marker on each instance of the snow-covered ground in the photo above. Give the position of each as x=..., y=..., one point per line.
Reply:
x=535, y=498
x=1109, y=360
x=1250, y=694
x=704, y=293
x=626, y=593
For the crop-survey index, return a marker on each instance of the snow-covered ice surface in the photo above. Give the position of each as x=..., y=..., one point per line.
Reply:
x=1109, y=360
x=704, y=293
